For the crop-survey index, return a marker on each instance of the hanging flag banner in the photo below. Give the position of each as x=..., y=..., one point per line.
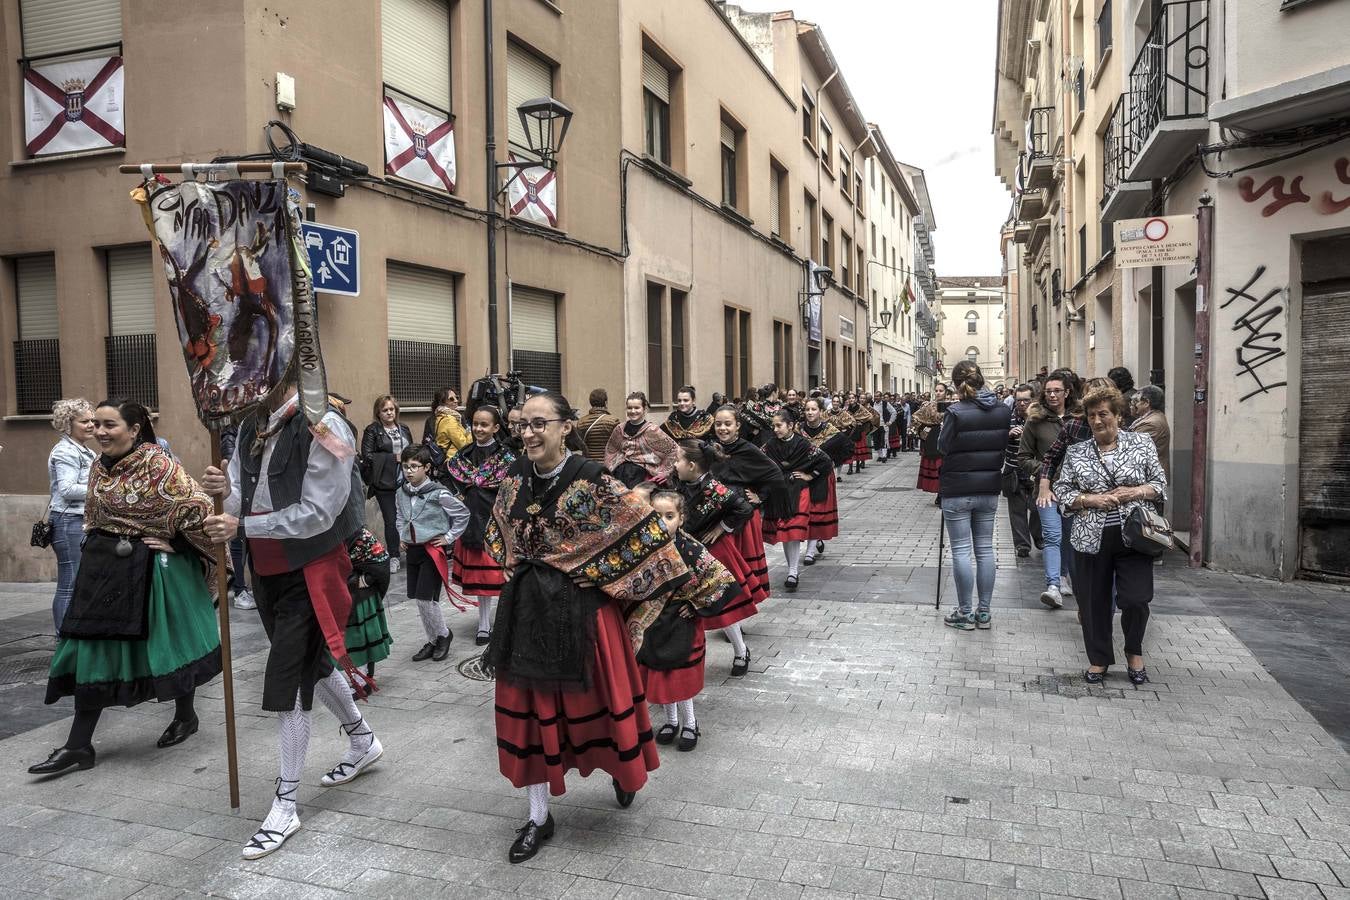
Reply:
x=533, y=193
x=73, y=106
x=242, y=290
x=419, y=144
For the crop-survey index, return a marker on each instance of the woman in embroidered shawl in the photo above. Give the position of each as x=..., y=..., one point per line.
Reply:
x=687, y=419
x=476, y=472
x=639, y=451
x=823, y=512
x=803, y=467
x=141, y=624
x=589, y=567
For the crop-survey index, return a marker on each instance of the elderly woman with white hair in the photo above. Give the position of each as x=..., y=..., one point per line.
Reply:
x=68, y=475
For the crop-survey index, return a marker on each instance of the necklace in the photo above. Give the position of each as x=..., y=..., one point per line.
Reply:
x=551, y=476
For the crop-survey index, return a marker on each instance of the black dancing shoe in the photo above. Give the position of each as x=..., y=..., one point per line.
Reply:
x=529, y=839
x=63, y=759
x=791, y=584
x=177, y=732
x=741, y=664
x=425, y=653
x=442, y=649
x=625, y=798
x=483, y=638
x=820, y=548
x=688, y=739
x=666, y=734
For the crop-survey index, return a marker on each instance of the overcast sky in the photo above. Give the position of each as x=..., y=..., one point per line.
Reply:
x=924, y=71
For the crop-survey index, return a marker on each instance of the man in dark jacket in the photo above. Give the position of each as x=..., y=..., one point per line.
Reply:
x=1019, y=487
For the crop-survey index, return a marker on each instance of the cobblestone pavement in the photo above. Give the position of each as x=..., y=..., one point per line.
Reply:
x=870, y=752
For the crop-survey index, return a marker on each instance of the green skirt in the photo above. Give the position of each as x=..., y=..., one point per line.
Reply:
x=367, y=636
x=180, y=651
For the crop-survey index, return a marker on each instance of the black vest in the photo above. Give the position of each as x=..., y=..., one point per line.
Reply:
x=973, y=462
x=286, y=481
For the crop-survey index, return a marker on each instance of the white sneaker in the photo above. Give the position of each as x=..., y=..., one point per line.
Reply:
x=344, y=772
x=271, y=834
x=393, y=564
x=244, y=600
x=1052, y=597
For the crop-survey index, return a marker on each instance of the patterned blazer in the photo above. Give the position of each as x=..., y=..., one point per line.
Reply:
x=1134, y=463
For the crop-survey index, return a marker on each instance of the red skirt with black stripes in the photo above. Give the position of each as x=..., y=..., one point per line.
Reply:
x=682, y=683
x=930, y=473
x=751, y=574
x=894, y=439
x=823, y=517
x=793, y=528
x=474, y=570
x=543, y=735
x=862, y=450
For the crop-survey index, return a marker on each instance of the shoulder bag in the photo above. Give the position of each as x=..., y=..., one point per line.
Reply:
x=1144, y=530
x=42, y=530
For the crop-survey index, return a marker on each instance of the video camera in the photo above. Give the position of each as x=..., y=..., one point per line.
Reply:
x=505, y=392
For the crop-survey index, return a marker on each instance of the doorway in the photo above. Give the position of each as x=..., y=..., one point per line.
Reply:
x=1181, y=405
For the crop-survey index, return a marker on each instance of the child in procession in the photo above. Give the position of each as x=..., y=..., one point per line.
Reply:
x=430, y=519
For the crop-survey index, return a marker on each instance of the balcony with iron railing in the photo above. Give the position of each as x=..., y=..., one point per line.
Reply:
x=1121, y=199
x=1036, y=164
x=1169, y=92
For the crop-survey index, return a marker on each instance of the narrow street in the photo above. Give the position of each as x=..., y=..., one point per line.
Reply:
x=870, y=751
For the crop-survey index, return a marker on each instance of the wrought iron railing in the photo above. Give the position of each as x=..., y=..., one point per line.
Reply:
x=417, y=369
x=37, y=375
x=1080, y=87
x=1170, y=76
x=1117, y=152
x=1039, y=132
x=133, y=372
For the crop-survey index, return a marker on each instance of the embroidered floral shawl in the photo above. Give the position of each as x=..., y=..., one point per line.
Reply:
x=650, y=448
x=148, y=493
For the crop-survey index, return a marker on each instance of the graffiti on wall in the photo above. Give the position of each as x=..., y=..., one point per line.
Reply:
x=1260, y=325
x=1284, y=192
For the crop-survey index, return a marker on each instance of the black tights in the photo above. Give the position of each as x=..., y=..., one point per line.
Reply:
x=86, y=720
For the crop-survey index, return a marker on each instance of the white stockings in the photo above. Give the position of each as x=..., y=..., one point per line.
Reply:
x=334, y=693
x=485, y=613
x=793, y=551
x=538, y=794
x=294, y=744
x=737, y=639
x=433, y=619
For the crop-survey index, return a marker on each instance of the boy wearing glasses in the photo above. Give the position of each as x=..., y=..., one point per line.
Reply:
x=430, y=519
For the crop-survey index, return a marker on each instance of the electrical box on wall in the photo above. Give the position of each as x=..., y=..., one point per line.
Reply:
x=285, y=92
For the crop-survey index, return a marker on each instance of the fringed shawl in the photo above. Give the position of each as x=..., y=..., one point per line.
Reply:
x=651, y=448
x=148, y=493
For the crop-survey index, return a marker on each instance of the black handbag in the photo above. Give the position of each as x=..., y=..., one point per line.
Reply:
x=1145, y=530
x=42, y=530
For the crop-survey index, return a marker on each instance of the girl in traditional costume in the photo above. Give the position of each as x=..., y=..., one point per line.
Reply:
x=639, y=451
x=862, y=427
x=477, y=472
x=687, y=419
x=823, y=511
x=141, y=624
x=925, y=426
x=715, y=515
x=367, y=637
x=803, y=466
x=589, y=567
x=430, y=520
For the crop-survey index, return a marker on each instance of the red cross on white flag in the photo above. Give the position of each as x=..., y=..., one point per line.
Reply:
x=419, y=144
x=73, y=106
x=533, y=194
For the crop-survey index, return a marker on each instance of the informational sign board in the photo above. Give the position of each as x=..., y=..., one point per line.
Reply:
x=1160, y=241
x=333, y=259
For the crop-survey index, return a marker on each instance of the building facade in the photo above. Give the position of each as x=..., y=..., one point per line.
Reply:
x=1110, y=110
x=971, y=316
x=894, y=326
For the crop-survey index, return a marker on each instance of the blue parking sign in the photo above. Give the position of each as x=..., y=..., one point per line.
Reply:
x=333, y=259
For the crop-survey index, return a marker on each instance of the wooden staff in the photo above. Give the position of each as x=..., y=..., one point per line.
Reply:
x=189, y=170
x=223, y=610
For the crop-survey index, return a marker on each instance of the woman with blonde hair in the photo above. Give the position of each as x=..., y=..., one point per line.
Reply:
x=68, y=479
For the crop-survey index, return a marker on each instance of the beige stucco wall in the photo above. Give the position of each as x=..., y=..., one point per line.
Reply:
x=1267, y=46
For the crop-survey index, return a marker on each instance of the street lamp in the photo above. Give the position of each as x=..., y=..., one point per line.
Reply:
x=538, y=117
x=885, y=317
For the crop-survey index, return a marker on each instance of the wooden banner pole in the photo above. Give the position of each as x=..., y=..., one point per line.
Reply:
x=226, y=659
x=243, y=168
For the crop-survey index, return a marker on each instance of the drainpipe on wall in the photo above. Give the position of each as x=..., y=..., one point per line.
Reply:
x=490, y=120
x=1204, y=278
x=820, y=211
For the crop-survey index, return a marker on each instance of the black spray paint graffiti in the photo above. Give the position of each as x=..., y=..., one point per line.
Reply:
x=1261, y=345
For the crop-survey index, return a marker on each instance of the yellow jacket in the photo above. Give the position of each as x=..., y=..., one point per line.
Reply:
x=451, y=434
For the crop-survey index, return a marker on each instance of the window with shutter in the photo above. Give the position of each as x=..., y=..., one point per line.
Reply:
x=415, y=38
x=52, y=27
x=132, y=368
x=534, y=337
x=36, y=277
x=656, y=109
x=423, y=354
x=37, y=352
x=527, y=78
x=656, y=78
x=775, y=208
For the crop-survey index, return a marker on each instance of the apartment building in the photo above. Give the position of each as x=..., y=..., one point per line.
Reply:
x=1120, y=109
x=894, y=325
x=971, y=318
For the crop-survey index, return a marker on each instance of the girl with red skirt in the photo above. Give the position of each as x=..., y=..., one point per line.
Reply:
x=926, y=423
x=862, y=450
x=571, y=617
x=823, y=512
x=673, y=650
x=717, y=515
x=476, y=472
x=802, y=465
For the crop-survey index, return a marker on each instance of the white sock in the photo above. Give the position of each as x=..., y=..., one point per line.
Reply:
x=538, y=794
x=485, y=613
x=793, y=551
x=293, y=742
x=687, y=713
x=808, y=550
x=737, y=639
x=672, y=714
x=433, y=619
x=334, y=693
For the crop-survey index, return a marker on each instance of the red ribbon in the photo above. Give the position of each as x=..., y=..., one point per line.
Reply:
x=442, y=564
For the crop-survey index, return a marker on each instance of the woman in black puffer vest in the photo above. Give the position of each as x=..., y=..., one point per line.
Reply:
x=973, y=437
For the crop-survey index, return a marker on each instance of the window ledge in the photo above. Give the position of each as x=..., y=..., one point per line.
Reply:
x=667, y=172
x=418, y=188
x=736, y=214
x=829, y=173
x=62, y=157
x=557, y=10
x=1077, y=120
x=806, y=141
x=1101, y=67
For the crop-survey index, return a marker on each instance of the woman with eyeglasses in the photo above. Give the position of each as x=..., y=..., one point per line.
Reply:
x=571, y=619
x=639, y=451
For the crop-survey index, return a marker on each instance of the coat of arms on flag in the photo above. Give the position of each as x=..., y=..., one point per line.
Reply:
x=533, y=194
x=419, y=144
x=73, y=106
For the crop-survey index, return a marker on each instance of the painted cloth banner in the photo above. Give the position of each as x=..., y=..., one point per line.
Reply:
x=73, y=106
x=243, y=295
x=419, y=144
x=533, y=194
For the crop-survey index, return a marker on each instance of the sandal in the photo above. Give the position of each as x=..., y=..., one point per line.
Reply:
x=666, y=734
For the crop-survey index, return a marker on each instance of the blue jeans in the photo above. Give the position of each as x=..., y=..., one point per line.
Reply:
x=1057, y=552
x=67, y=538
x=970, y=528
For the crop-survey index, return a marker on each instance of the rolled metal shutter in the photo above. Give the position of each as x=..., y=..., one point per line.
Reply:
x=534, y=320
x=36, y=278
x=421, y=304
x=775, y=214
x=68, y=26
x=415, y=36
x=131, y=291
x=527, y=78
x=728, y=136
x=655, y=77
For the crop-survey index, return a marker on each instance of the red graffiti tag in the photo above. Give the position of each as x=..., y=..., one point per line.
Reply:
x=1280, y=198
x=1330, y=206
